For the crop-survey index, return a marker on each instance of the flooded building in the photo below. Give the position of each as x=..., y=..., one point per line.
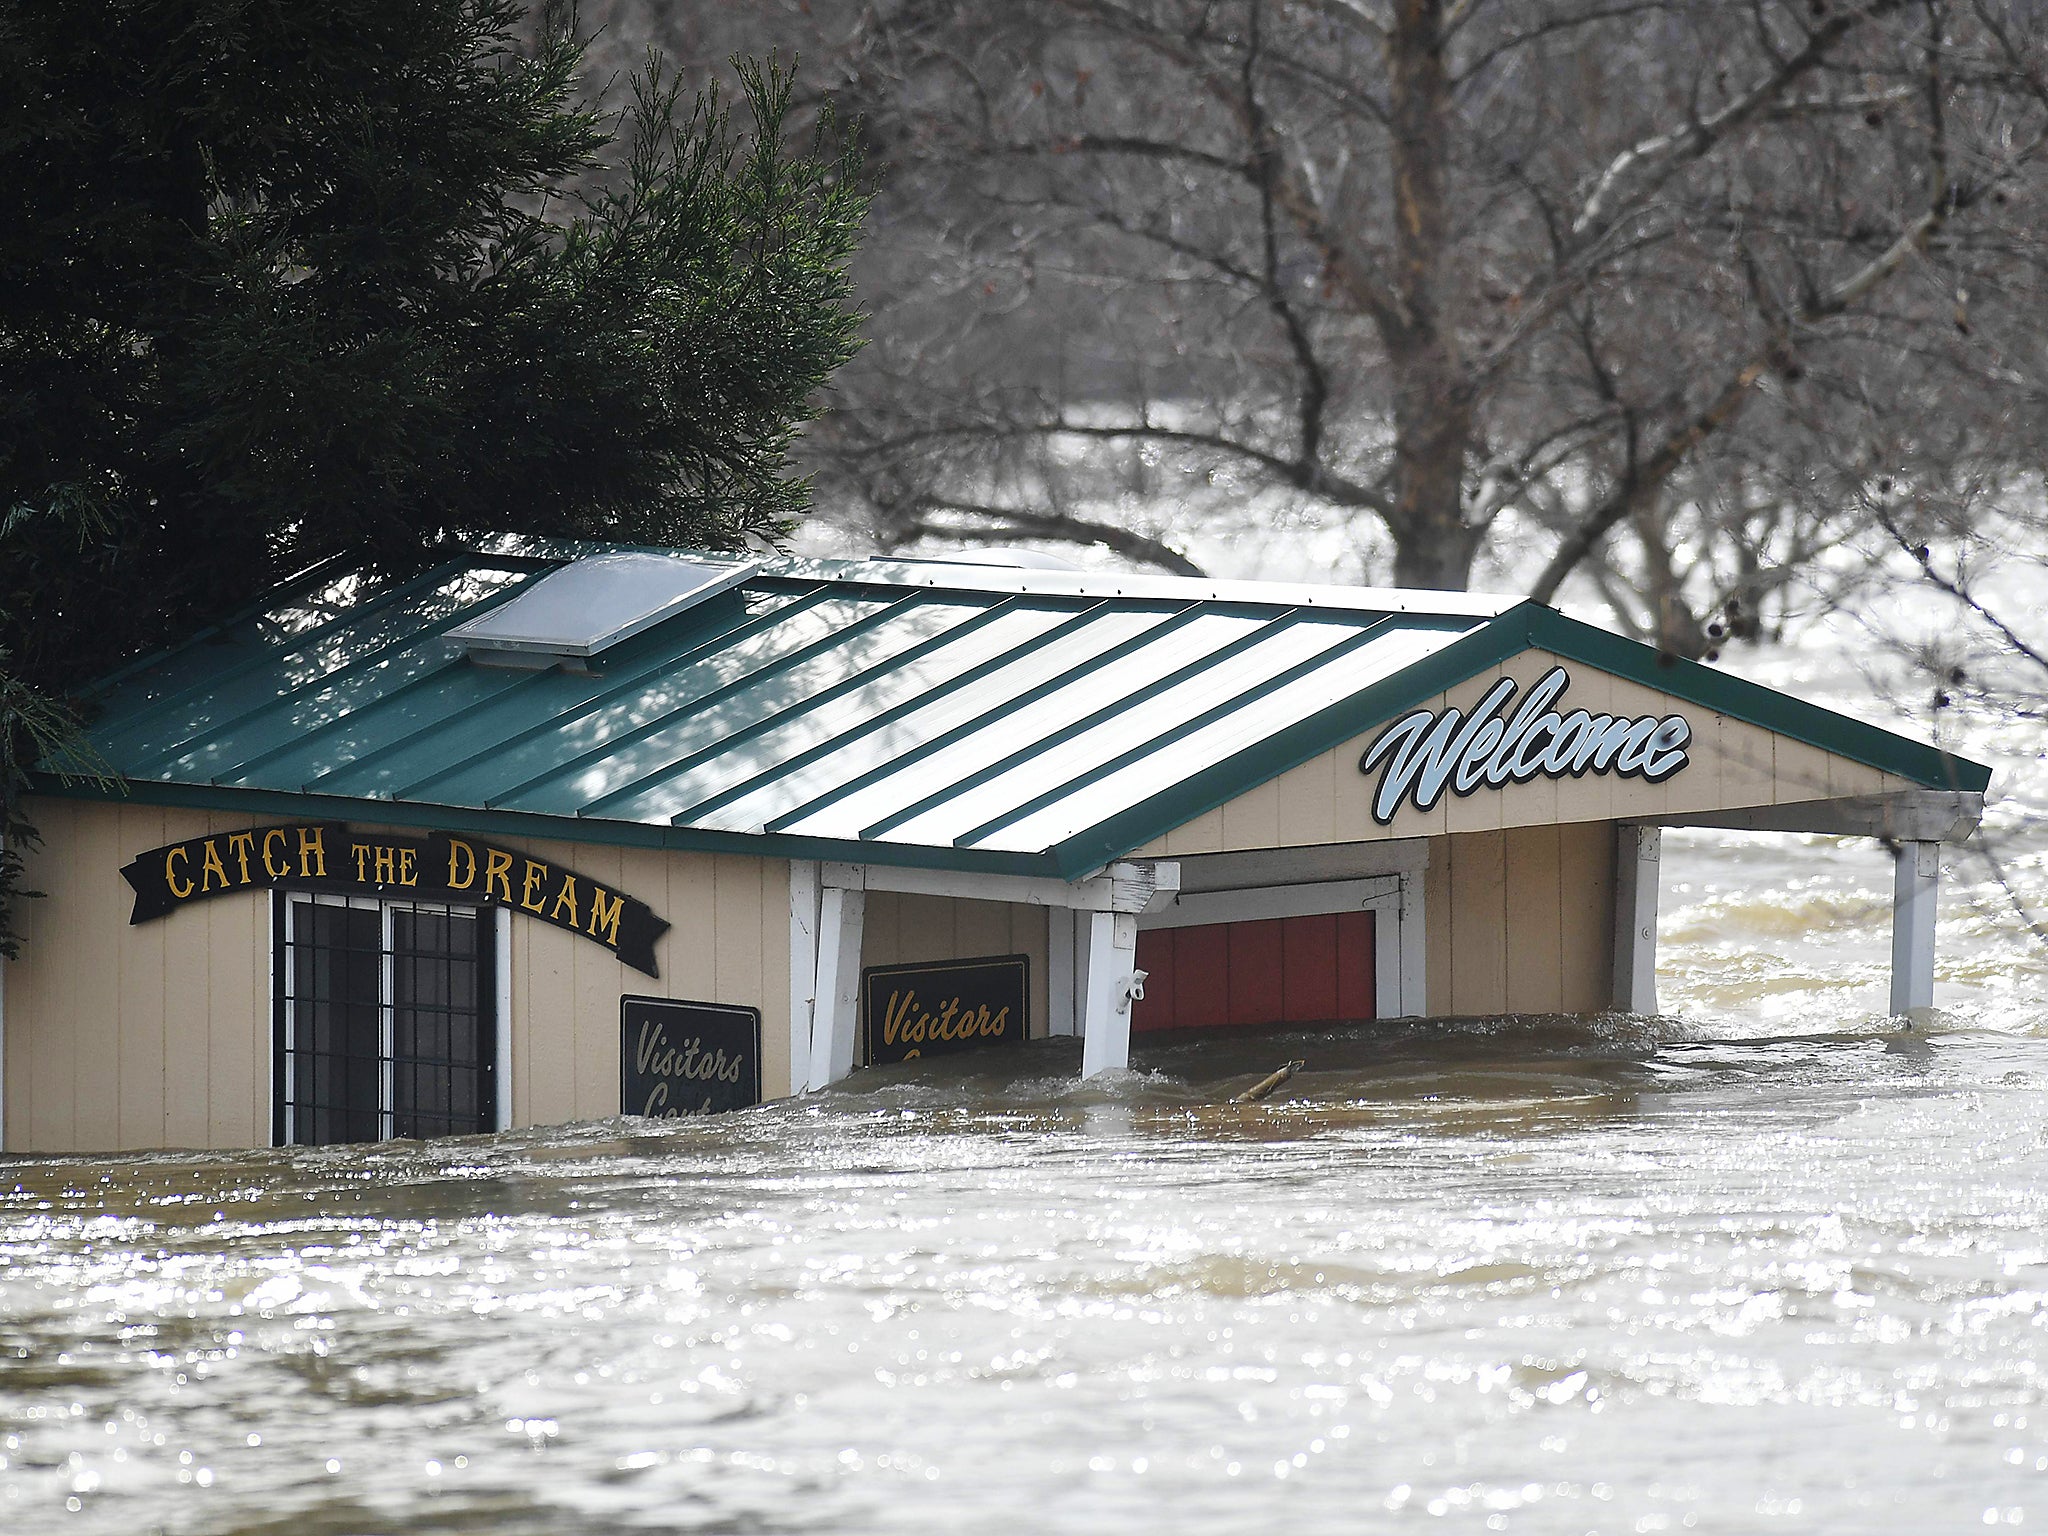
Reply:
x=566, y=832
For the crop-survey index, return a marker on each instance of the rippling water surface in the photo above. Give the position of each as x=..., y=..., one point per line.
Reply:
x=1763, y=1264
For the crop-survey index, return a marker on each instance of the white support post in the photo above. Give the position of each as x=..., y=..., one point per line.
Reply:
x=1636, y=867
x=804, y=895
x=1916, y=884
x=1414, y=947
x=840, y=916
x=1112, y=983
x=1060, y=971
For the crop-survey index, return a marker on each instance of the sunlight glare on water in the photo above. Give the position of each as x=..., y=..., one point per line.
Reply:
x=1763, y=1265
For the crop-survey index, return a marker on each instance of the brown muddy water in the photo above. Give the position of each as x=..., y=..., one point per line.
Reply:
x=1766, y=1264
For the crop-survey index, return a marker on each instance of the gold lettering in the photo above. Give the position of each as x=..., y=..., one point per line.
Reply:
x=566, y=896
x=362, y=857
x=530, y=886
x=461, y=857
x=650, y=1041
x=408, y=866
x=210, y=867
x=604, y=916
x=498, y=869
x=275, y=871
x=241, y=844
x=387, y=865
x=312, y=852
x=892, y=1016
x=179, y=889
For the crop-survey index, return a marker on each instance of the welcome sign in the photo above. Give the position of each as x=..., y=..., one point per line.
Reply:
x=1424, y=754
x=943, y=1006
x=327, y=856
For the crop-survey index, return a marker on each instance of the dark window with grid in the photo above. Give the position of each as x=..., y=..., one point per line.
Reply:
x=386, y=1020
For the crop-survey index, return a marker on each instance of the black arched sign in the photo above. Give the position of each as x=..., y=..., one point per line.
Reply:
x=442, y=866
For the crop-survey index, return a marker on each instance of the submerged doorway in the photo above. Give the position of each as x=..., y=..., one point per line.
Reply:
x=1318, y=968
x=1321, y=952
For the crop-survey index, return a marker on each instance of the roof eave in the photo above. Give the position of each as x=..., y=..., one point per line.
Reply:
x=574, y=829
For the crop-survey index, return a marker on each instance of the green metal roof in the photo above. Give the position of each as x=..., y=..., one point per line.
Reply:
x=900, y=712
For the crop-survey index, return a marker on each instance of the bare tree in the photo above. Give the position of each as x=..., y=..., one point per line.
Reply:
x=1620, y=281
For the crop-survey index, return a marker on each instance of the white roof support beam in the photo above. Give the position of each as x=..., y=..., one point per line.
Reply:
x=841, y=913
x=1916, y=887
x=1113, y=983
x=1123, y=887
x=1638, y=855
x=1912, y=815
x=805, y=897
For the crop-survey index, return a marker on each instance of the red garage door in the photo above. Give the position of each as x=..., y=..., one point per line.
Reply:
x=1285, y=970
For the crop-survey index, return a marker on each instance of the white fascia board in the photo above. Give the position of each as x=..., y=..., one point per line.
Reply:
x=1124, y=887
x=1296, y=866
x=1198, y=909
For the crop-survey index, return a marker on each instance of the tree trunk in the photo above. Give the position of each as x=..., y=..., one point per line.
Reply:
x=1437, y=557
x=1432, y=396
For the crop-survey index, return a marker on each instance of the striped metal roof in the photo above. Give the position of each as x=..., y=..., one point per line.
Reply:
x=894, y=711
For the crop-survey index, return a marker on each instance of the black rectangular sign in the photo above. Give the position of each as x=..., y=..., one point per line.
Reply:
x=680, y=1059
x=944, y=1005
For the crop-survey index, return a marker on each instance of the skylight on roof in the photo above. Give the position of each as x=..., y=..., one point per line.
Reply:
x=590, y=605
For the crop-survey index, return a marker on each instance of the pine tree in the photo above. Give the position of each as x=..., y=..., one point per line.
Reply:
x=282, y=281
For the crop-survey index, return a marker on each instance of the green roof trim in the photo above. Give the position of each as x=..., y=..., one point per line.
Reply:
x=1527, y=626
x=608, y=834
x=921, y=714
x=1755, y=704
x=1290, y=748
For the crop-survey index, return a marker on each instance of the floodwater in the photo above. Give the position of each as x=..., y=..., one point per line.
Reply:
x=1766, y=1263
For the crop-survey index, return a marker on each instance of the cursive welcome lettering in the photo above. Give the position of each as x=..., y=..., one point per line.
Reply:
x=1421, y=755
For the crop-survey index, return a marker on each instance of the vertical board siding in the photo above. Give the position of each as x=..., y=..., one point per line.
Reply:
x=130, y=1038
x=905, y=929
x=184, y=997
x=141, y=967
x=1305, y=970
x=1535, y=921
x=1257, y=979
x=728, y=942
x=1308, y=967
x=1586, y=902
x=96, y=993
x=1519, y=921
x=1479, y=970
x=160, y=1035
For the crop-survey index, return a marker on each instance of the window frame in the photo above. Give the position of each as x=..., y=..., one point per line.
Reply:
x=492, y=998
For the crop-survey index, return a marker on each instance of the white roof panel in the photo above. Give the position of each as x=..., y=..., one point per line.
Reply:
x=594, y=603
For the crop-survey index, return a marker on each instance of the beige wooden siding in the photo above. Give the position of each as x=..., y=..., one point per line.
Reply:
x=1518, y=920
x=120, y=1037
x=1731, y=764
x=160, y=1035
x=901, y=929
x=728, y=943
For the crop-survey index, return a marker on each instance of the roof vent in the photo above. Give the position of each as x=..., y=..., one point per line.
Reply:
x=588, y=606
